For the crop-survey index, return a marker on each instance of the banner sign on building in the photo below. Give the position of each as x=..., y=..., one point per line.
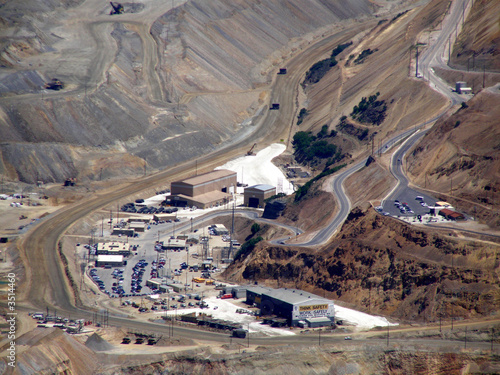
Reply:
x=313, y=311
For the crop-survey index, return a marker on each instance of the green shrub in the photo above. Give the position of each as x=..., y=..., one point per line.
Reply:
x=302, y=191
x=255, y=228
x=302, y=114
x=247, y=247
x=319, y=69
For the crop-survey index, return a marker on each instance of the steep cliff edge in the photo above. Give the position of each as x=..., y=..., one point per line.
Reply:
x=385, y=266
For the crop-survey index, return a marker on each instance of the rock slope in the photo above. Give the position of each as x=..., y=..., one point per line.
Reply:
x=152, y=87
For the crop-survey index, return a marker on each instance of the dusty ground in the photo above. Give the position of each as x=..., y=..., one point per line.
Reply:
x=146, y=77
x=386, y=266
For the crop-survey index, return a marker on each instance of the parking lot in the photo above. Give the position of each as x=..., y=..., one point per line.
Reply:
x=406, y=204
x=145, y=263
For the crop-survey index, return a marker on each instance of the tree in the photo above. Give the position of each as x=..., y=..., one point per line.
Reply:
x=255, y=228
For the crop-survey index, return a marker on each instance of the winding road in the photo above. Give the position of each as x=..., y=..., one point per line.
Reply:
x=46, y=281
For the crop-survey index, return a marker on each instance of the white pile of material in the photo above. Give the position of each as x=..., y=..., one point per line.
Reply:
x=258, y=169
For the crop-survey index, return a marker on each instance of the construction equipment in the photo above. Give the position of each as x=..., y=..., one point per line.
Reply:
x=275, y=106
x=117, y=9
x=55, y=84
x=250, y=152
x=153, y=340
x=70, y=181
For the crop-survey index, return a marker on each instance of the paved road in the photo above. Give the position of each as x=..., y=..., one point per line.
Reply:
x=46, y=283
x=432, y=57
x=45, y=275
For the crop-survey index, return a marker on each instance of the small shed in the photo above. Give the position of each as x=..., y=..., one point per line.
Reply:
x=319, y=322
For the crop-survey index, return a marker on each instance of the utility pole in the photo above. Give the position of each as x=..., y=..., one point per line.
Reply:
x=416, y=64
x=492, y=337
x=484, y=73
x=465, y=344
x=449, y=48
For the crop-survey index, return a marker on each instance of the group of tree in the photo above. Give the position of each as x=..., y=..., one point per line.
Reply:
x=302, y=115
x=304, y=189
x=309, y=147
x=370, y=111
x=363, y=55
x=319, y=69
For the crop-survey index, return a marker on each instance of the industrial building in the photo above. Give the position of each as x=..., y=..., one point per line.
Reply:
x=164, y=217
x=219, y=229
x=174, y=244
x=140, y=219
x=113, y=248
x=254, y=196
x=296, y=306
x=451, y=215
x=160, y=285
x=123, y=231
x=204, y=191
x=109, y=260
x=138, y=227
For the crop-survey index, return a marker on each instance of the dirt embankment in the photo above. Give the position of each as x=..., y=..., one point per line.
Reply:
x=385, y=70
x=477, y=46
x=52, y=351
x=385, y=266
x=459, y=159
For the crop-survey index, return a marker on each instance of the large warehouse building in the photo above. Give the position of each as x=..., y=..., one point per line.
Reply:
x=296, y=306
x=204, y=191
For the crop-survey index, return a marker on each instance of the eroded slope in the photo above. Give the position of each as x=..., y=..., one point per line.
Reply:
x=151, y=87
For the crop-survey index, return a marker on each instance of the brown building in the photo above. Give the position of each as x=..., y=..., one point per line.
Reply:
x=451, y=215
x=257, y=194
x=204, y=191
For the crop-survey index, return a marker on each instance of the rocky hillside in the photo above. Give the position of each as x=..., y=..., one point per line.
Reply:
x=376, y=63
x=459, y=158
x=478, y=45
x=385, y=266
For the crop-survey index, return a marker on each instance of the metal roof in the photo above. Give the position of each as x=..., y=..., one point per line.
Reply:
x=110, y=258
x=294, y=296
x=261, y=187
x=207, y=177
x=258, y=289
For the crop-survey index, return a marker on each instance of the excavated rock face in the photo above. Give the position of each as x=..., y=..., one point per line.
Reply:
x=383, y=266
x=182, y=85
x=274, y=209
x=459, y=157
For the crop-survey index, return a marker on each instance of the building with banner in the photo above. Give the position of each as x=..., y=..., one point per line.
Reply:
x=296, y=306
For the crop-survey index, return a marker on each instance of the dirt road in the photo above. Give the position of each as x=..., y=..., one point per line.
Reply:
x=46, y=283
